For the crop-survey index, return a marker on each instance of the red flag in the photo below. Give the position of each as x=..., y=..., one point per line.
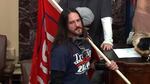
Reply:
x=48, y=16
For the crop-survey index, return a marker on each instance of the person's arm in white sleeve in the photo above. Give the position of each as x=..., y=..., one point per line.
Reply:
x=107, y=29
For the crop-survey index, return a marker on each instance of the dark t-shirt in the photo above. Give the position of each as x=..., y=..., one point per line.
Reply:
x=100, y=8
x=72, y=62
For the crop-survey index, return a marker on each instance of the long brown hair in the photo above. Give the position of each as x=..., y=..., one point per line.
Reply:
x=62, y=34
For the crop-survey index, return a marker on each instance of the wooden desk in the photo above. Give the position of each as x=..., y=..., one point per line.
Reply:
x=137, y=70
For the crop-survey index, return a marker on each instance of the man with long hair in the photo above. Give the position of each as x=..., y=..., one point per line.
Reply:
x=100, y=30
x=71, y=53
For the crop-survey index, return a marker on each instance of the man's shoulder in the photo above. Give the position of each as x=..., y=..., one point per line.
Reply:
x=60, y=51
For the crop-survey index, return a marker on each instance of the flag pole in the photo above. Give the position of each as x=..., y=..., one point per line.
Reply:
x=107, y=60
x=56, y=6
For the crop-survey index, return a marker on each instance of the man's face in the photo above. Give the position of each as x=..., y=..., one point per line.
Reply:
x=75, y=26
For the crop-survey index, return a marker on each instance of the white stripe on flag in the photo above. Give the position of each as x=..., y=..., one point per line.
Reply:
x=40, y=80
x=44, y=48
x=43, y=68
x=50, y=37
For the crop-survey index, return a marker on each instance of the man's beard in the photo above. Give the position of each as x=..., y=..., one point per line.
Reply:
x=77, y=32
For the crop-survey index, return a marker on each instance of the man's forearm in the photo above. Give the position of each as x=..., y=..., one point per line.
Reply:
x=107, y=29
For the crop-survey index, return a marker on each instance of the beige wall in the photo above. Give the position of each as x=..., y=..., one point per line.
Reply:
x=9, y=25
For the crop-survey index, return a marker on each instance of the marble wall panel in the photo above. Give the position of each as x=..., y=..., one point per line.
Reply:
x=27, y=27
